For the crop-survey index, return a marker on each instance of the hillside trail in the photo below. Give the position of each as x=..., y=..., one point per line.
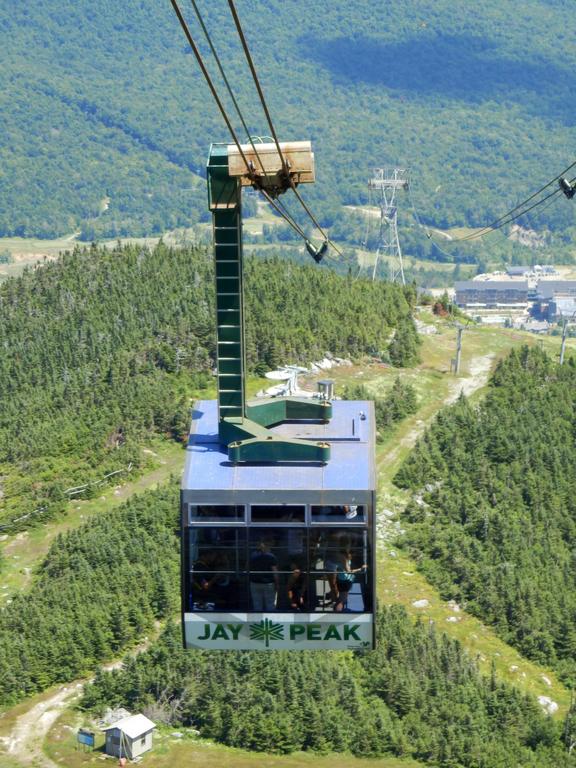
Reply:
x=400, y=582
x=479, y=369
x=23, y=551
x=24, y=743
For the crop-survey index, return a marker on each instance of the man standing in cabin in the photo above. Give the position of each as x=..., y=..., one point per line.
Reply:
x=263, y=577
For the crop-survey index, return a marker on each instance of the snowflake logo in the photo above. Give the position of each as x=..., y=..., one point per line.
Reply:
x=266, y=630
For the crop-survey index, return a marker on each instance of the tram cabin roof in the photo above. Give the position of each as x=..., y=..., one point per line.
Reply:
x=210, y=476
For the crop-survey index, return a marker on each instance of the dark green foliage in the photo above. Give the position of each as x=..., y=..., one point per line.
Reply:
x=100, y=350
x=418, y=694
x=499, y=530
x=399, y=402
x=99, y=588
x=403, y=349
x=475, y=98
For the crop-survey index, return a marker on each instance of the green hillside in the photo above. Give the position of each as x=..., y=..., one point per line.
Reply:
x=102, y=349
x=493, y=520
x=106, y=121
x=416, y=695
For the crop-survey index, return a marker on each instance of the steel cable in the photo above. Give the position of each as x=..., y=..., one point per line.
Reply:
x=208, y=79
x=496, y=224
x=282, y=212
x=285, y=167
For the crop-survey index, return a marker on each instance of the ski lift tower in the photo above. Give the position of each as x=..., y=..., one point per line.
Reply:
x=386, y=182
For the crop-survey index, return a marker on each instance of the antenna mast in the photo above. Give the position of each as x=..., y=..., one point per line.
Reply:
x=386, y=182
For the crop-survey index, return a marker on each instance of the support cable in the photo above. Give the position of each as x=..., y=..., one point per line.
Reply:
x=282, y=212
x=277, y=205
x=248, y=56
x=285, y=167
x=500, y=222
x=425, y=227
x=279, y=208
x=226, y=82
x=488, y=231
x=208, y=79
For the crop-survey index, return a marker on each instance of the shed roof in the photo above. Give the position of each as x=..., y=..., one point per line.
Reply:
x=133, y=726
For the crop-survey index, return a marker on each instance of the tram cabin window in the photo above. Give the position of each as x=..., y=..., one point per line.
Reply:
x=279, y=568
x=207, y=513
x=278, y=513
x=345, y=513
x=217, y=570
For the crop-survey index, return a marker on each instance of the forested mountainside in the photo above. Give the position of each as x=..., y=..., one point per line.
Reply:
x=102, y=349
x=417, y=694
x=99, y=588
x=493, y=522
x=107, y=121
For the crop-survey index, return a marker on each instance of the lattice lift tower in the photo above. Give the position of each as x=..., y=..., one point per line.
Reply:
x=386, y=182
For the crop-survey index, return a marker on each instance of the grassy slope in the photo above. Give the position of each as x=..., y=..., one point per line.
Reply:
x=25, y=550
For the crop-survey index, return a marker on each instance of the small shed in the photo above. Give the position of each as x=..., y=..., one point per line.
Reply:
x=129, y=737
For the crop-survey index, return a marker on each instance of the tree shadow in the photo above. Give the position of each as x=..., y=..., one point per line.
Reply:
x=461, y=67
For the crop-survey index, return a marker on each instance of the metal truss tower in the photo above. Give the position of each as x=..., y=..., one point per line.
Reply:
x=385, y=183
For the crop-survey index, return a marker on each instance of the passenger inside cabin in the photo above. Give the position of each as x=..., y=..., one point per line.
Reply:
x=211, y=581
x=342, y=579
x=264, y=579
x=296, y=588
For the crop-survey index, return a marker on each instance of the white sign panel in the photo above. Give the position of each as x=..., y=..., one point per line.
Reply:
x=278, y=631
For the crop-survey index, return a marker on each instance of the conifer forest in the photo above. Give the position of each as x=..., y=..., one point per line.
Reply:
x=418, y=487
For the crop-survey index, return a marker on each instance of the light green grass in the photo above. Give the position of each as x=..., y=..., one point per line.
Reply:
x=23, y=552
x=264, y=215
x=398, y=578
x=400, y=583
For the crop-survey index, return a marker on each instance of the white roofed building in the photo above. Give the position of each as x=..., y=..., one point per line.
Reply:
x=129, y=737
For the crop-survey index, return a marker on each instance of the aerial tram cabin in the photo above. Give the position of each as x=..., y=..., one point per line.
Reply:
x=278, y=495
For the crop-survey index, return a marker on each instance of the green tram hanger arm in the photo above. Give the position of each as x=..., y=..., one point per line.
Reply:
x=244, y=427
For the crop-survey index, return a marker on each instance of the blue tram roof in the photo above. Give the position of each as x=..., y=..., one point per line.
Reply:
x=209, y=475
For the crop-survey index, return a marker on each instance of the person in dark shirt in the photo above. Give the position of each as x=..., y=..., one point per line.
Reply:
x=296, y=588
x=263, y=577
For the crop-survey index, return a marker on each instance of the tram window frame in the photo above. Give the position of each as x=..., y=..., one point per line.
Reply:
x=360, y=519
x=240, y=518
x=302, y=509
